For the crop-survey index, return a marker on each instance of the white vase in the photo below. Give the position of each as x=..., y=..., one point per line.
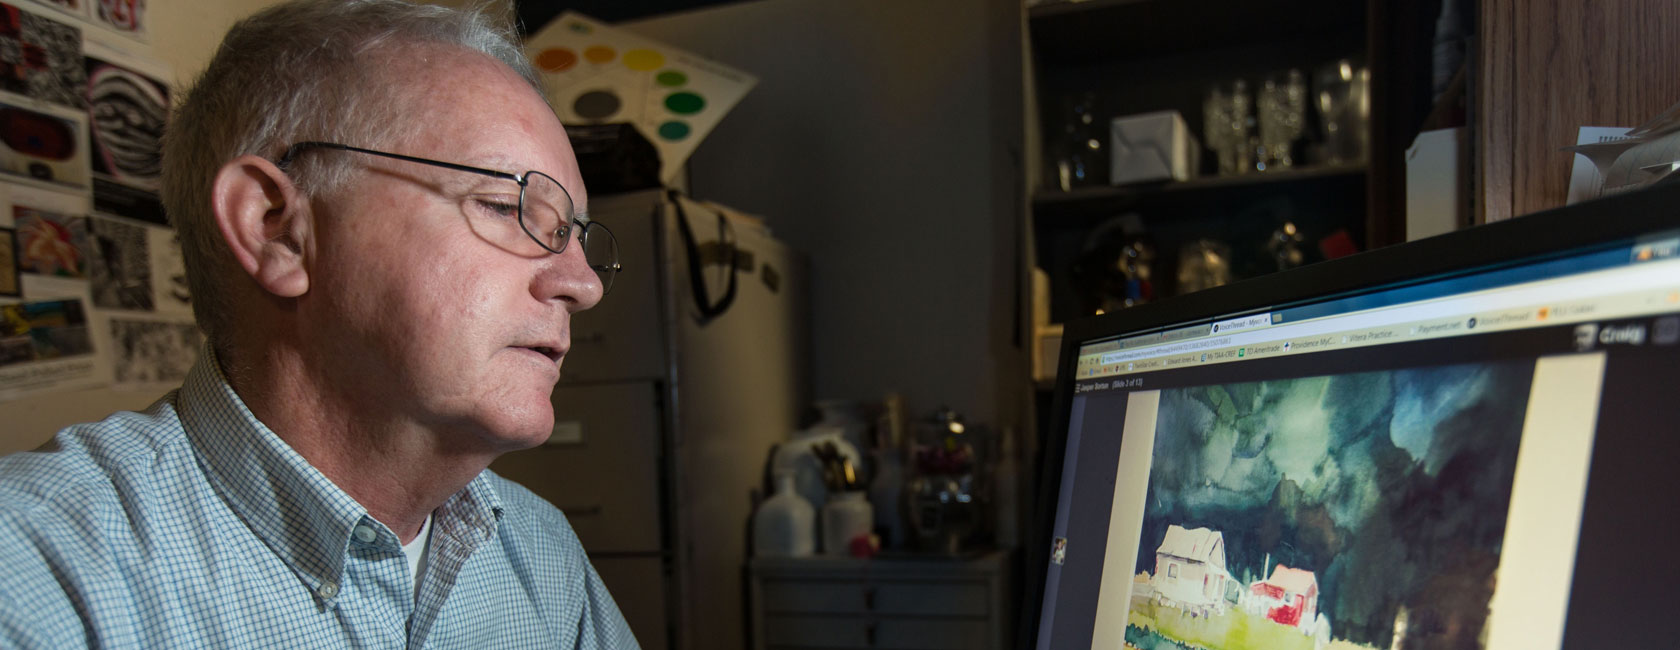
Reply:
x=785, y=525
x=846, y=516
x=798, y=456
x=852, y=418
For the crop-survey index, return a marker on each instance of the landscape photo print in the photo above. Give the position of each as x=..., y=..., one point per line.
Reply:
x=1353, y=511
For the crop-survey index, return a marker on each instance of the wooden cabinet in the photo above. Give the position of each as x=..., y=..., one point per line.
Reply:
x=1549, y=67
x=903, y=602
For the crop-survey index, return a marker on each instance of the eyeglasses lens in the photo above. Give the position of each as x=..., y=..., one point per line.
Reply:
x=601, y=250
x=546, y=212
x=547, y=216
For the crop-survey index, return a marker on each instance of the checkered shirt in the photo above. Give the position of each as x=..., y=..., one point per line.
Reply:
x=193, y=525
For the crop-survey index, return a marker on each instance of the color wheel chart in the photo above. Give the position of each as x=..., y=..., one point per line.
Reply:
x=598, y=74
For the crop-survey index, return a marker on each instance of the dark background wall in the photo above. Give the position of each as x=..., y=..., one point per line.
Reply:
x=533, y=15
x=883, y=139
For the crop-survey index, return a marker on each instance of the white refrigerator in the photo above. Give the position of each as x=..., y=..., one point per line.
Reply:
x=670, y=399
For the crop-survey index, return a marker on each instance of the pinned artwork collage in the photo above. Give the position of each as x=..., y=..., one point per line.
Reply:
x=92, y=288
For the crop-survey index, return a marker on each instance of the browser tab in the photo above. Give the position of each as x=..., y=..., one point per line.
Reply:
x=1246, y=322
x=1661, y=249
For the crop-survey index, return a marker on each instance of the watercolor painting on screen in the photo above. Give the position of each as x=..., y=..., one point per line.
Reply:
x=1351, y=511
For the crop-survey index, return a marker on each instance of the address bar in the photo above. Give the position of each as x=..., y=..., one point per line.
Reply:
x=1168, y=349
x=1639, y=277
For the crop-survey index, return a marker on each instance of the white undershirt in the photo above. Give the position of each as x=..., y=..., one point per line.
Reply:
x=415, y=549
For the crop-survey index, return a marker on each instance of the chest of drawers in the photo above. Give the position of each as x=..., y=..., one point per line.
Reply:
x=903, y=602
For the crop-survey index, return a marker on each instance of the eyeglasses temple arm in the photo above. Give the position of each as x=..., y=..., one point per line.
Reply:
x=293, y=151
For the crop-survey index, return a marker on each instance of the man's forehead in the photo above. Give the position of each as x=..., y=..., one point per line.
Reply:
x=476, y=111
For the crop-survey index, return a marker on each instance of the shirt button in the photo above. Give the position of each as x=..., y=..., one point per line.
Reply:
x=328, y=589
x=365, y=534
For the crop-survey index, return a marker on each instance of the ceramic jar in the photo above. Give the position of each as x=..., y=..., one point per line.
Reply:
x=846, y=516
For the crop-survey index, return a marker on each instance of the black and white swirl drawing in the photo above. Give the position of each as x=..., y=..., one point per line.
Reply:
x=126, y=113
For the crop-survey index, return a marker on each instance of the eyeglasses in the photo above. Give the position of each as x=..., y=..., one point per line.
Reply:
x=543, y=209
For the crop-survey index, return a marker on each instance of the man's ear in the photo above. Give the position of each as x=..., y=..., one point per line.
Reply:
x=265, y=221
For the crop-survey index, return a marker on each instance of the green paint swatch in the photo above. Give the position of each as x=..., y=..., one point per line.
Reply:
x=671, y=78
x=673, y=130
x=684, y=103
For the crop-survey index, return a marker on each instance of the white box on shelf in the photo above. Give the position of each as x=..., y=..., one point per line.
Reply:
x=1152, y=147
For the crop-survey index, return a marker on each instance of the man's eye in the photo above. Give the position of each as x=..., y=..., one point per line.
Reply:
x=494, y=206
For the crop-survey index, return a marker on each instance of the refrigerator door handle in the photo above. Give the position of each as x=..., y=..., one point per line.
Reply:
x=696, y=280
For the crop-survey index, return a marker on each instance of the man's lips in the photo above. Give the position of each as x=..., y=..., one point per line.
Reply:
x=554, y=353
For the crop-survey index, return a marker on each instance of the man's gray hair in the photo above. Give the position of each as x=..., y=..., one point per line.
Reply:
x=303, y=70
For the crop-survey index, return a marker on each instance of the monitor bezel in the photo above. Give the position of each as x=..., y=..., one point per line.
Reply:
x=1536, y=237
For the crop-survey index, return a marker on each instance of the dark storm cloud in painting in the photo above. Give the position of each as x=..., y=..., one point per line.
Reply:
x=1392, y=487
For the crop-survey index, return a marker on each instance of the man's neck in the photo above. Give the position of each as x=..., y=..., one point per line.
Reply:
x=397, y=469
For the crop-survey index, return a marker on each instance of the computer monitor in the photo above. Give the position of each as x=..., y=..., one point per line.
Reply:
x=1471, y=441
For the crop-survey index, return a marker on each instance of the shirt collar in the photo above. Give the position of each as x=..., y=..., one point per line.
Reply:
x=290, y=505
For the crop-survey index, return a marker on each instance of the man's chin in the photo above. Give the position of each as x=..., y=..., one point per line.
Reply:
x=515, y=429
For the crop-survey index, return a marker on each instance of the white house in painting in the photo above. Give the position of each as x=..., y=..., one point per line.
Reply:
x=1190, y=570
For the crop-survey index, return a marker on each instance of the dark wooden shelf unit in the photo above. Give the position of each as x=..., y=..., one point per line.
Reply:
x=1140, y=56
x=1073, y=32
x=1053, y=204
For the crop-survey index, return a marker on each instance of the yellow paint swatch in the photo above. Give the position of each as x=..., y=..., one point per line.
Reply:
x=643, y=60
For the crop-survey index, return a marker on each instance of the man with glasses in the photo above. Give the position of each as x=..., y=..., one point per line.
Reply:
x=386, y=237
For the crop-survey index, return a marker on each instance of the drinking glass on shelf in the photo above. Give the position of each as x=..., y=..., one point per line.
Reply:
x=1344, y=106
x=1216, y=129
x=1081, y=147
x=1359, y=134
x=1282, y=105
x=1242, y=127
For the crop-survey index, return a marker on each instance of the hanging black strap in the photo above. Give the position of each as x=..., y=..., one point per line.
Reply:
x=696, y=264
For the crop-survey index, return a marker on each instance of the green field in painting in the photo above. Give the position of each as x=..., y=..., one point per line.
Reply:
x=1236, y=630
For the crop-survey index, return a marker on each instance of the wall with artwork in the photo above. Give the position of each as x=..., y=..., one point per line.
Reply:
x=94, y=312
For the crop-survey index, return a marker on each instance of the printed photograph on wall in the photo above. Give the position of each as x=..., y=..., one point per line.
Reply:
x=40, y=57
x=9, y=285
x=43, y=331
x=125, y=16
x=51, y=244
x=1351, y=511
x=169, y=273
x=43, y=146
x=77, y=8
x=126, y=112
x=151, y=353
x=120, y=265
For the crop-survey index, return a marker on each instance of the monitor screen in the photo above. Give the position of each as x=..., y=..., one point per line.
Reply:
x=1464, y=442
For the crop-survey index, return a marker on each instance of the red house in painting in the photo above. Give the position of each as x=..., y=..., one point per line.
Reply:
x=1291, y=596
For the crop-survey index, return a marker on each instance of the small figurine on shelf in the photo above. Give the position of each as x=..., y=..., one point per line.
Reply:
x=1115, y=268
x=1203, y=264
x=1285, y=246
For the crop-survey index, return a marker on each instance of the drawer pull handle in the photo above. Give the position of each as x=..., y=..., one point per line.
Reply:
x=869, y=602
x=869, y=634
